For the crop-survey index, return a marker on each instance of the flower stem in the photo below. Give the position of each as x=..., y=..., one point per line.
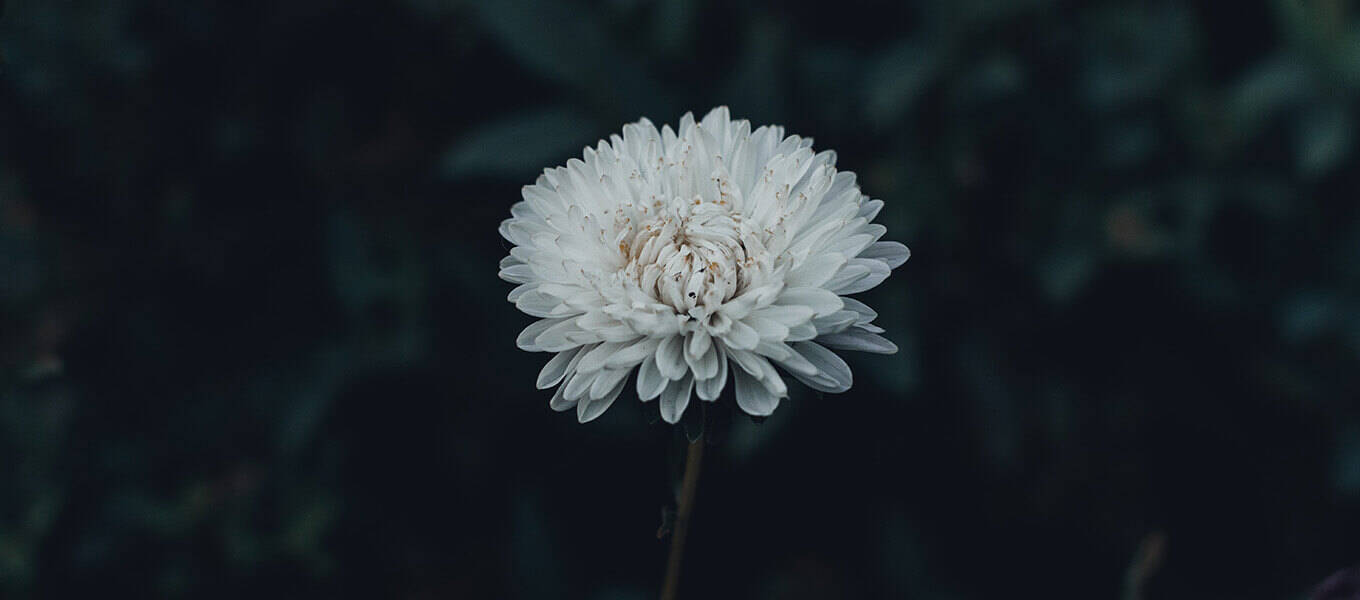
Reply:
x=690, y=485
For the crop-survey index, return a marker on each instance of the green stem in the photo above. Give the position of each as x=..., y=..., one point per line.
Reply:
x=693, y=461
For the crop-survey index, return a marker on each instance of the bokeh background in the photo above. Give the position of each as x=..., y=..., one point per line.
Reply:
x=252, y=342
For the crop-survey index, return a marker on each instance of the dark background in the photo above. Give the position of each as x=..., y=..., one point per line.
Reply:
x=252, y=342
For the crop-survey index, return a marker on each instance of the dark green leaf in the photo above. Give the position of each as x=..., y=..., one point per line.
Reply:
x=898, y=78
x=520, y=144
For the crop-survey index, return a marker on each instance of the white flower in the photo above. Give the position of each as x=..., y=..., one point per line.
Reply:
x=688, y=255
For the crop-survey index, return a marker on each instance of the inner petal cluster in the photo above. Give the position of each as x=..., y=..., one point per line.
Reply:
x=690, y=257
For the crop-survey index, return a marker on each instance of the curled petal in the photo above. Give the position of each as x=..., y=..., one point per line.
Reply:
x=892, y=254
x=650, y=381
x=858, y=339
x=754, y=398
x=675, y=398
x=556, y=369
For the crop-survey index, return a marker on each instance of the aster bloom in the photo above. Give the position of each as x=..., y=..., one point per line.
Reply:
x=690, y=254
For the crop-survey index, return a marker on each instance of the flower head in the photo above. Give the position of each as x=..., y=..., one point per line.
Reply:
x=688, y=255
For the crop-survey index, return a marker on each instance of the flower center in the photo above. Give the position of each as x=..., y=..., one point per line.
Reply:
x=689, y=257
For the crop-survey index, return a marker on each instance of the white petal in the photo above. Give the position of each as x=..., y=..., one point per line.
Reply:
x=606, y=381
x=556, y=369
x=521, y=290
x=560, y=336
x=858, y=339
x=748, y=361
x=670, y=357
x=650, y=381
x=787, y=316
x=866, y=314
x=578, y=385
x=509, y=234
x=848, y=275
x=796, y=363
x=741, y=336
x=752, y=397
x=527, y=338
x=709, y=389
x=619, y=332
x=559, y=403
x=520, y=273
x=833, y=374
x=878, y=271
x=595, y=359
x=738, y=307
x=802, y=331
x=698, y=344
x=633, y=354
x=589, y=411
x=815, y=271
x=767, y=329
x=819, y=382
x=891, y=253
x=718, y=325
x=822, y=302
x=835, y=322
x=675, y=398
x=772, y=381
x=774, y=350
x=870, y=209
x=539, y=304
x=852, y=246
x=705, y=365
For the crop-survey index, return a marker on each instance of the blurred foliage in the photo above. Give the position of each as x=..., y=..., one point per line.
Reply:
x=252, y=342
